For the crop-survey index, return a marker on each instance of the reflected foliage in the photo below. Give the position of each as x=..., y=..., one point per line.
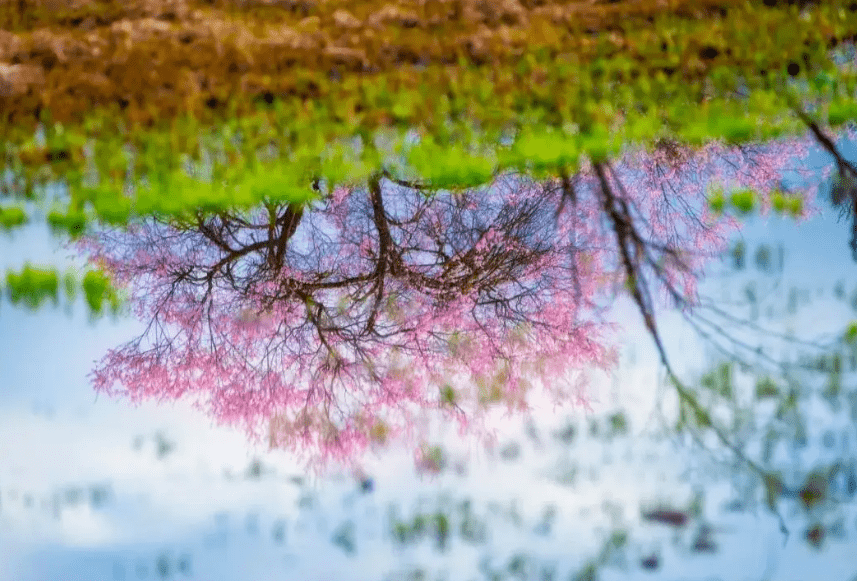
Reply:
x=762, y=410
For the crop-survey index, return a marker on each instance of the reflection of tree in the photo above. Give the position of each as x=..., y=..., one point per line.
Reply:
x=694, y=414
x=338, y=321
x=843, y=191
x=394, y=290
x=787, y=421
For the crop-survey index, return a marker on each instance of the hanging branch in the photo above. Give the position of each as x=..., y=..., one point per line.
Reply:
x=846, y=187
x=631, y=248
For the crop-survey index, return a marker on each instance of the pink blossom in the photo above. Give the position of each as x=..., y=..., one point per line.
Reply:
x=330, y=330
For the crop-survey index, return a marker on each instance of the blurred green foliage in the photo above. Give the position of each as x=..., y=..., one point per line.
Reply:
x=11, y=217
x=32, y=287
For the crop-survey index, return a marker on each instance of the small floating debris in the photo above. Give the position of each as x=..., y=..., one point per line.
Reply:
x=650, y=563
x=675, y=518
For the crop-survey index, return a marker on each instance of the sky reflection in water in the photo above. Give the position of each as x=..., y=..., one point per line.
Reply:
x=99, y=490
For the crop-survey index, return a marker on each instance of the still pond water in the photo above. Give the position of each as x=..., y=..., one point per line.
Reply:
x=93, y=489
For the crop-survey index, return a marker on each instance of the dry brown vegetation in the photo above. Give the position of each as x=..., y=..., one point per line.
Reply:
x=153, y=59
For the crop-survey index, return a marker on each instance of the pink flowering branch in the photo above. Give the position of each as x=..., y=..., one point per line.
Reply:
x=334, y=327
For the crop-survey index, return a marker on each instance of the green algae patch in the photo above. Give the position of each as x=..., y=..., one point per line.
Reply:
x=12, y=217
x=32, y=286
